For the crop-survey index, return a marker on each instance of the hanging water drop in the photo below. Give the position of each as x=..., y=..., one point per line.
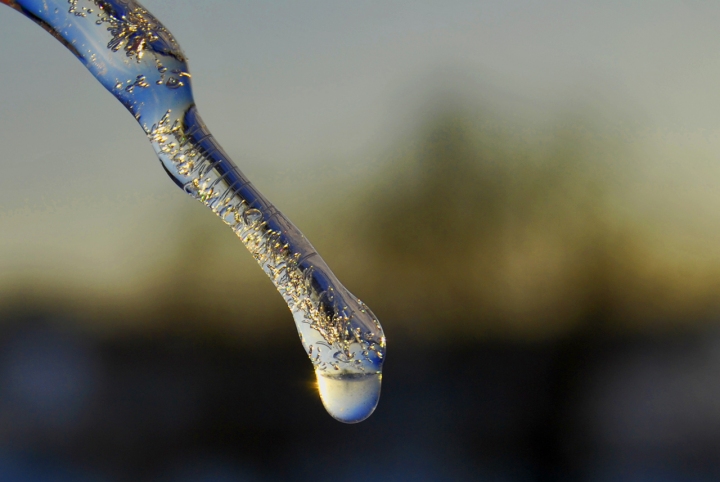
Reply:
x=349, y=397
x=341, y=335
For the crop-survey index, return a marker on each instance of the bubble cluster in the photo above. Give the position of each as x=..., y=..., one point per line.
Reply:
x=132, y=28
x=142, y=65
x=339, y=331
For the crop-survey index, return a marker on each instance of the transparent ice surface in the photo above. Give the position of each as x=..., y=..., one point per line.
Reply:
x=138, y=60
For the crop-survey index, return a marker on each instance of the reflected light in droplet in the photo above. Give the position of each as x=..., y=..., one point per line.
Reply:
x=349, y=397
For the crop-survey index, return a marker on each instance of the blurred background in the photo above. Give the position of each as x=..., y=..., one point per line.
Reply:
x=525, y=193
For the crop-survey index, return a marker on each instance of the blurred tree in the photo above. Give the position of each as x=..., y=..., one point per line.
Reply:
x=472, y=234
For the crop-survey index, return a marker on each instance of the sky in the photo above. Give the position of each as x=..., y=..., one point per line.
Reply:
x=291, y=88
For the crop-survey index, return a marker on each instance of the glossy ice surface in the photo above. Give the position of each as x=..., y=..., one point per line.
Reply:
x=138, y=60
x=349, y=397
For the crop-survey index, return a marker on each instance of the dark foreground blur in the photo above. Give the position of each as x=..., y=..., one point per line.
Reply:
x=533, y=336
x=172, y=407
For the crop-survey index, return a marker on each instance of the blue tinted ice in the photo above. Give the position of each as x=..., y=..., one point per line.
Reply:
x=138, y=60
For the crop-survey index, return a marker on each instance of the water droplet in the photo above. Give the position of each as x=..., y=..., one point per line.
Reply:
x=145, y=68
x=349, y=397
